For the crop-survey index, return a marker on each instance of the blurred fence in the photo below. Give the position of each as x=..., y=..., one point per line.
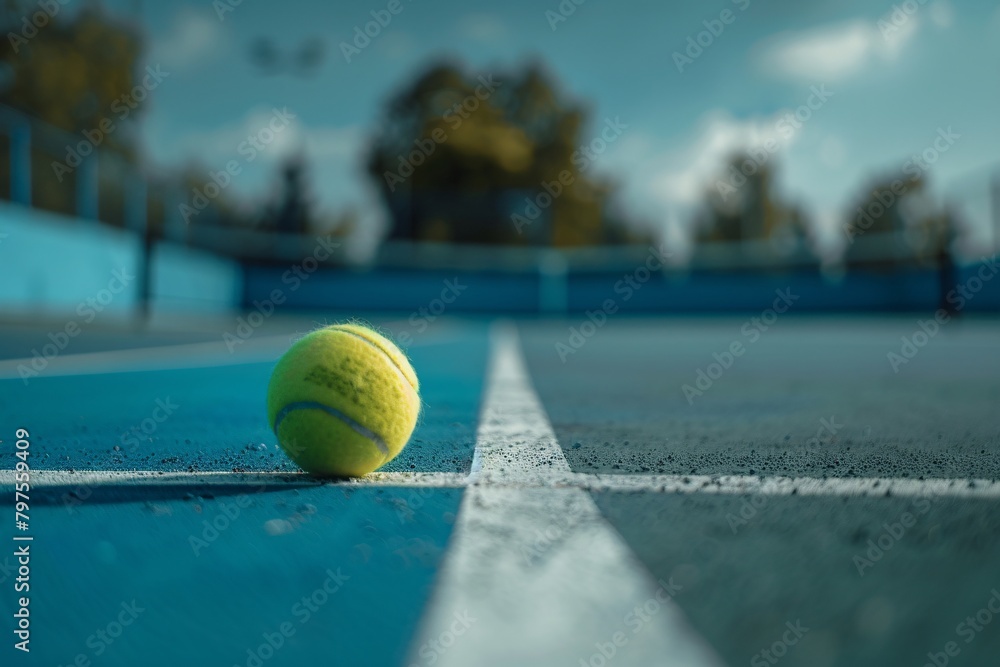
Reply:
x=56, y=171
x=975, y=200
x=551, y=289
x=66, y=231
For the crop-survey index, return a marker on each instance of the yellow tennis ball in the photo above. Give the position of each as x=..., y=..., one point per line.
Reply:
x=343, y=401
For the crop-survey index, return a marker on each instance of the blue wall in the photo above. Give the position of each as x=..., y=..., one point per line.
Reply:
x=405, y=291
x=50, y=264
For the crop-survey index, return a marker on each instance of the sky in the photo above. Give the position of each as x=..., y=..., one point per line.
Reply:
x=873, y=83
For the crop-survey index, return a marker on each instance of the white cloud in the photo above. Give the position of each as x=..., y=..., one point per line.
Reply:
x=834, y=52
x=664, y=185
x=685, y=174
x=192, y=38
x=216, y=146
x=321, y=145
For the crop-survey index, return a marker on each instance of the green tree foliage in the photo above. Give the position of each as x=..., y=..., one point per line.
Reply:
x=739, y=207
x=880, y=207
x=70, y=72
x=892, y=221
x=458, y=154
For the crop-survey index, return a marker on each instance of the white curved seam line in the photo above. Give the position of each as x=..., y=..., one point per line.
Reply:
x=358, y=428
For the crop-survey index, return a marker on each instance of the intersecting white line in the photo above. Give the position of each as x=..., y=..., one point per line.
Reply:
x=646, y=483
x=42, y=479
x=541, y=606
x=787, y=486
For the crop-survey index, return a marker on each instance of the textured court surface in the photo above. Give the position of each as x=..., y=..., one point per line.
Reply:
x=546, y=512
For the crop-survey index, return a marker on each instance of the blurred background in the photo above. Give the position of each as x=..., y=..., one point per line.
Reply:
x=521, y=157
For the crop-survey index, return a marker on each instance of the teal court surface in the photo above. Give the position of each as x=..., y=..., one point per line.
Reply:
x=649, y=498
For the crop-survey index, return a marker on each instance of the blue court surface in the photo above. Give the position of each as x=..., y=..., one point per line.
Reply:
x=810, y=503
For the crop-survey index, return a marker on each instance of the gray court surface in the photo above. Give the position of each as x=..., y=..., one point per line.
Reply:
x=807, y=397
x=802, y=503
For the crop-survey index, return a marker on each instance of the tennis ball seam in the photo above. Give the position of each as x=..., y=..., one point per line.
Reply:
x=406, y=380
x=355, y=426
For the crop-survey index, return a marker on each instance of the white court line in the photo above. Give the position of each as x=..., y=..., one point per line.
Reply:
x=514, y=440
x=787, y=486
x=711, y=484
x=42, y=479
x=209, y=354
x=534, y=604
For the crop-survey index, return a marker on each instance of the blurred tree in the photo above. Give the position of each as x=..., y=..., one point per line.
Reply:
x=292, y=214
x=76, y=74
x=76, y=71
x=295, y=211
x=742, y=207
x=73, y=73
x=892, y=221
x=459, y=157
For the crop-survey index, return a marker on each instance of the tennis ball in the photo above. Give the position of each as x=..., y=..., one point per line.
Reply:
x=343, y=401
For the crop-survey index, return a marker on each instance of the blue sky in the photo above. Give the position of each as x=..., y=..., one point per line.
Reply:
x=892, y=90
